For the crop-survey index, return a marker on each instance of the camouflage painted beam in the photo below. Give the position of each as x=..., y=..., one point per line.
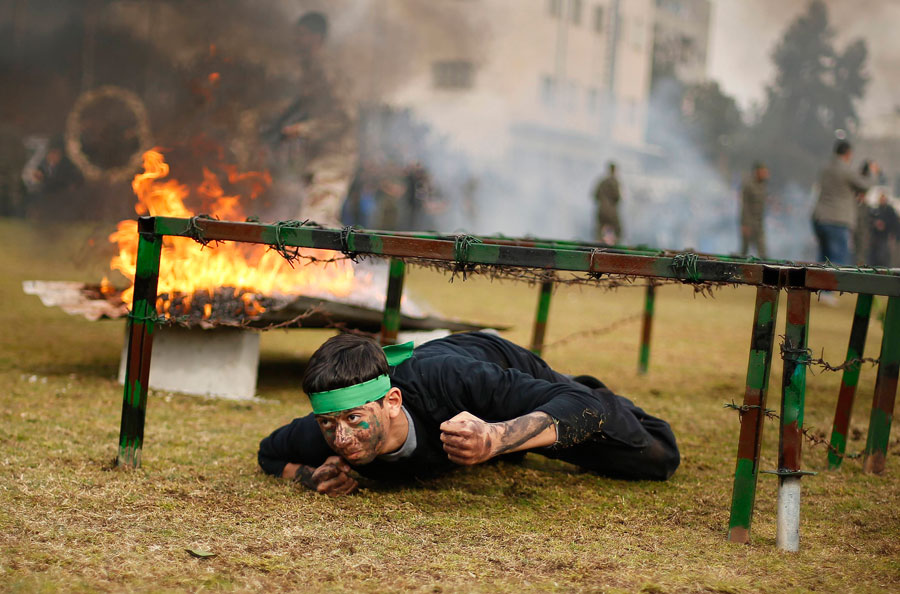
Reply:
x=885, y=391
x=753, y=415
x=141, y=325
x=880, y=282
x=588, y=245
x=540, y=319
x=793, y=395
x=849, y=379
x=390, y=324
x=646, y=329
x=686, y=267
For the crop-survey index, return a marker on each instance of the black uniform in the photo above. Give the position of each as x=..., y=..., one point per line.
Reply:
x=497, y=380
x=884, y=225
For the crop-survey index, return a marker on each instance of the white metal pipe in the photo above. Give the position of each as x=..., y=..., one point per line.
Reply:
x=787, y=535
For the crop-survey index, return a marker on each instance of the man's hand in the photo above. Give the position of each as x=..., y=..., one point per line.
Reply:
x=331, y=478
x=467, y=439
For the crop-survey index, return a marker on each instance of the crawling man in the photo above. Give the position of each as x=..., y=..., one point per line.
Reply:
x=395, y=414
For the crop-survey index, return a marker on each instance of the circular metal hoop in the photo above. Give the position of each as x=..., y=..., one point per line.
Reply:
x=74, y=149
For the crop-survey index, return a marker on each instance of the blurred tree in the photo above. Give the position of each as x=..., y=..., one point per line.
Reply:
x=814, y=95
x=712, y=119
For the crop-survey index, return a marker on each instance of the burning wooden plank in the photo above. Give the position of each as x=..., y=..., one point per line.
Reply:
x=224, y=309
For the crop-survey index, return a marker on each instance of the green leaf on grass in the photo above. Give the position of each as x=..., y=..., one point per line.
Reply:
x=200, y=553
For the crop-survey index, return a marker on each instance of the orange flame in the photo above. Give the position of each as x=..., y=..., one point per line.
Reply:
x=185, y=268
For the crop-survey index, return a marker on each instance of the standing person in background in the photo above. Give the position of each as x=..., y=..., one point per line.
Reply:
x=834, y=217
x=13, y=157
x=607, y=196
x=321, y=146
x=862, y=235
x=884, y=228
x=754, y=193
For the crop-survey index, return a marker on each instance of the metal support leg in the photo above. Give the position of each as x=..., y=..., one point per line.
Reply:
x=540, y=320
x=390, y=324
x=793, y=394
x=752, y=417
x=849, y=380
x=141, y=324
x=646, y=328
x=885, y=391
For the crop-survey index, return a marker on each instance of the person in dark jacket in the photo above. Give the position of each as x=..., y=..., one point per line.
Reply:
x=884, y=228
x=400, y=414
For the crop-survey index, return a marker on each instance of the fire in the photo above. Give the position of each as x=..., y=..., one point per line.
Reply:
x=187, y=268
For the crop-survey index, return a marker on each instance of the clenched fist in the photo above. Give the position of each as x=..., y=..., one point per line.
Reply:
x=467, y=439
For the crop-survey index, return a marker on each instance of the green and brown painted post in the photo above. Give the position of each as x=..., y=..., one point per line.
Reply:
x=390, y=323
x=885, y=391
x=646, y=329
x=849, y=380
x=540, y=319
x=141, y=325
x=753, y=414
x=790, y=442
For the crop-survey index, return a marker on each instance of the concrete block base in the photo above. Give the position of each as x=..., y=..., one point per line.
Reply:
x=221, y=362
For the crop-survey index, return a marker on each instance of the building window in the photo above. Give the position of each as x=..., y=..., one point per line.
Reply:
x=453, y=74
x=598, y=19
x=554, y=8
x=548, y=90
x=575, y=11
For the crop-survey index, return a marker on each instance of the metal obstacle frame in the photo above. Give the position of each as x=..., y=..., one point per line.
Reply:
x=769, y=277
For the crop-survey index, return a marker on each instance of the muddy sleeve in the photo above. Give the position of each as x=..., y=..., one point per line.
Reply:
x=495, y=394
x=299, y=442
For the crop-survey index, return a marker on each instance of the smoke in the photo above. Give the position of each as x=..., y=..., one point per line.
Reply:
x=495, y=170
x=209, y=74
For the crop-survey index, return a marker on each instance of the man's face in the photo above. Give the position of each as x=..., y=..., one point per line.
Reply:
x=308, y=42
x=357, y=435
x=762, y=174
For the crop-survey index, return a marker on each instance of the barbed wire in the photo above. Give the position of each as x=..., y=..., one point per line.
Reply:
x=594, y=332
x=194, y=231
x=533, y=276
x=803, y=356
x=684, y=263
x=162, y=320
x=347, y=232
x=807, y=432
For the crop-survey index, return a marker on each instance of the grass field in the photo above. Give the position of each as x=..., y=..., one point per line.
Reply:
x=68, y=522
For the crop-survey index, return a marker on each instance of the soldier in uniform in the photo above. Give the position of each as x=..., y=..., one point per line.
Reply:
x=322, y=145
x=607, y=197
x=754, y=192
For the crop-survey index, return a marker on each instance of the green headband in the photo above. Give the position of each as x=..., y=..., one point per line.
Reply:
x=360, y=394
